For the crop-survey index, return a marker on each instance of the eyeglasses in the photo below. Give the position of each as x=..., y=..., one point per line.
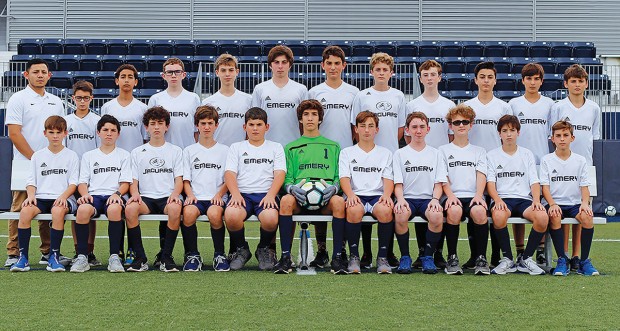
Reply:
x=459, y=122
x=85, y=99
x=173, y=72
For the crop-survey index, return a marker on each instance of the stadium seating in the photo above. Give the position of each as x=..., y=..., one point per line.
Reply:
x=111, y=62
x=495, y=49
x=96, y=46
x=407, y=49
x=506, y=82
x=362, y=48
x=104, y=93
x=90, y=62
x=451, y=49
x=507, y=95
x=105, y=80
x=472, y=48
x=502, y=64
x=548, y=63
x=561, y=49
x=429, y=48
x=29, y=46
x=539, y=49
x=152, y=80
x=138, y=61
x=251, y=47
x=517, y=49
x=162, y=47
x=118, y=46
x=388, y=47
x=52, y=46
x=206, y=47
x=229, y=46
x=472, y=62
x=452, y=64
x=316, y=47
x=139, y=47
x=74, y=46
x=552, y=82
x=184, y=47
x=156, y=62
x=89, y=76
x=584, y=50
x=298, y=47
x=62, y=79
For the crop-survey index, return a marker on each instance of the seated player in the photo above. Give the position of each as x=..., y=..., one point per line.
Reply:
x=105, y=174
x=157, y=171
x=50, y=185
x=204, y=164
x=255, y=171
x=367, y=182
x=564, y=180
x=512, y=183
x=311, y=157
x=418, y=179
x=466, y=167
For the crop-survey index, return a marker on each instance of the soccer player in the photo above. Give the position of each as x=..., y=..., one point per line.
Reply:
x=255, y=171
x=311, y=158
x=26, y=112
x=367, y=181
x=336, y=96
x=157, y=171
x=512, y=183
x=204, y=164
x=466, y=167
x=564, y=181
x=51, y=182
x=230, y=103
x=105, y=175
x=280, y=96
x=418, y=178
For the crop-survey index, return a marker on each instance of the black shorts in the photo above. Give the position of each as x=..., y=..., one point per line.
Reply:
x=570, y=211
x=252, y=203
x=203, y=206
x=155, y=206
x=46, y=205
x=516, y=206
x=418, y=207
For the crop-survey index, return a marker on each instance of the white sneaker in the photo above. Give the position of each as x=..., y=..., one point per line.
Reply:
x=529, y=266
x=115, y=264
x=80, y=264
x=505, y=266
x=11, y=260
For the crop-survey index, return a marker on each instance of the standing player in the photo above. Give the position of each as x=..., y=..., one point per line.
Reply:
x=204, y=164
x=367, y=181
x=311, y=158
x=336, y=96
x=280, y=96
x=229, y=102
x=255, y=171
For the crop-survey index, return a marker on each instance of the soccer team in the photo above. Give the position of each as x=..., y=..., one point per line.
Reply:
x=236, y=155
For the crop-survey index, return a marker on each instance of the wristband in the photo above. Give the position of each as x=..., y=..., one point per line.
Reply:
x=555, y=204
x=435, y=199
x=118, y=193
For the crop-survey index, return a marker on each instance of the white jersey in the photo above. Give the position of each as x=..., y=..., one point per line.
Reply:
x=586, y=124
x=82, y=135
x=535, y=119
x=204, y=168
x=418, y=171
x=30, y=110
x=390, y=107
x=254, y=165
x=182, y=109
x=514, y=174
x=366, y=170
x=462, y=166
x=52, y=173
x=231, y=111
x=337, y=104
x=484, y=131
x=436, y=112
x=565, y=178
x=155, y=169
x=133, y=132
x=103, y=172
x=281, y=107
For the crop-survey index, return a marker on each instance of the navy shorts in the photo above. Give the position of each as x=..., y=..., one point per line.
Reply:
x=369, y=202
x=466, y=208
x=418, y=207
x=252, y=201
x=45, y=205
x=570, y=211
x=517, y=206
x=99, y=202
x=203, y=206
x=155, y=206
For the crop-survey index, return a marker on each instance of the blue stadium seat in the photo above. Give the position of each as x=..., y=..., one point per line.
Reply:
x=184, y=47
x=315, y=59
x=517, y=49
x=62, y=79
x=472, y=62
x=494, y=49
x=156, y=63
x=206, y=47
x=552, y=82
x=361, y=80
x=68, y=62
x=90, y=62
x=17, y=62
x=459, y=96
x=406, y=83
x=555, y=95
x=187, y=82
x=138, y=61
x=251, y=47
x=362, y=48
x=13, y=79
x=105, y=80
x=74, y=46
x=298, y=47
x=408, y=60
x=518, y=63
x=446, y=94
x=269, y=44
x=202, y=59
x=29, y=46
x=314, y=79
x=111, y=62
x=452, y=64
x=96, y=46
x=139, y=47
x=385, y=46
x=89, y=76
x=228, y=46
x=146, y=93
x=539, y=49
x=473, y=48
x=252, y=59
x=247, y=80
x=162, y=47
x=105, y=93
x=316, y=47
x=346, y=45
x=457, y=81
x=451, y=49
x=153, y=80
x=548, y=63
x=51, y=46
x=506, y=82
x=118, y=46
x=502, y=64
x=429, y=48
x=561, y=49
x=584, y=49
x=407, y=49
x=592, y=65
x=50, y=59
x=599, y=82
x=359, y=65
x=507, y=95
x=563, y=63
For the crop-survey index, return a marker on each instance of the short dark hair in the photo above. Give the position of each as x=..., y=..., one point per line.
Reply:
x=108, y=119
x=280, y=50
x=575, y=71
x=126, y=66
x=333, y=50
x=366, y=114
x=32, y=62
x=416, y=114
x=510, y=120
x=485, y=65
x=310, y=104
x=56, y=122
x=255, y=113
x=156, y=113
x=561, y=125
x=532, y=69
x=208, y=112
x=82, y=85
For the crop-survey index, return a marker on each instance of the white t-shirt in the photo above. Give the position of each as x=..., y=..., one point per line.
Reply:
x=390, y=106
x=535, y=119
x=30, y=110
x=255, y=166
x=484, y=132
x=586, y=124
x=155, y=169
x=82, y=135
x=337, y=104
x=133, y=132
x=182, y=109
x=231, y=111
x=103, y=173
x=565, y=178
x=366, y=170
x=462, y=166
x=436, y=112
x=418, y=171
x=204, y=168
x=52, y=173
x=514, y=174
x=281, y=107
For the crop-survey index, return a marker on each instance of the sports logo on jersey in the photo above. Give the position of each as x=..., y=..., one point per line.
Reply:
x=267, y=98
x=301, y=151
x=157, y=162
x=383, y=106
x=218, y=109
x=368, y=93
x=245, y=154
x=567, y=119
x=96, y=164
x=407, y=162
x=43, y=165
x=500, y=167
x=521, y=114
x=158, y=166
x=144, y=149
x=323, y=100
x=554, y=171
x=450, y=157
x=71, y=130
x=196, y=160
x=353, y=162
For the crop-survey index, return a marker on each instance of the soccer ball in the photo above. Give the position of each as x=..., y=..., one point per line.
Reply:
x=314, y=195
x=610, y=211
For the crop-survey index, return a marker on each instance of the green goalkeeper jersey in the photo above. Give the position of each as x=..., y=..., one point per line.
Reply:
x=312, y=159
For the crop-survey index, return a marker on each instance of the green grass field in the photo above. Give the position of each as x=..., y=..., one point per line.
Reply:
x=252, y=299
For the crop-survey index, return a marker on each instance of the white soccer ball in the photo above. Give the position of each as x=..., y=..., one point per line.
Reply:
x=610, y=211
x=314, y=195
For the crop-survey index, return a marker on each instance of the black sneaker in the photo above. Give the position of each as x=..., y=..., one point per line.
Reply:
x=494, y=261
x=393, y=261
x=157, y=262
x=320, y=260
x=239, y=258
x=440, y=262
x=167, y=264
x=366, y=261
x=344, y=257
x=470, y=264
x=138, y=265
x=574, y=263
x=339, y=266
x=92, y=260
x=417, y=264
x=284, y=266
x=540, y=258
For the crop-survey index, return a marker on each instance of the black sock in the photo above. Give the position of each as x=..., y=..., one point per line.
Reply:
x=169, y=241
x=471, y=238
x=557, y=236
x=218, y=236
x=320, y=229
x=56, y=239
x=115, y=229
x=237, y=237
x=190, y=238
x=353, y=237
x=481, y=237
x=338, y=231
x=532, y=242
x=23, y=239
x=431, y=242
x=390, y=247
x=439, y=247
x=81, y=236
x=163, y=226
x=122, y=243
x=135, y=240
x=403, y=243
x=586, y=242
x=285, y=224
x=452, y=237
x=385, y=234
x=265, y=238
x=503, y=237
x=495, y=244
x=420, y=235
x=366, y=230
x=520, y=249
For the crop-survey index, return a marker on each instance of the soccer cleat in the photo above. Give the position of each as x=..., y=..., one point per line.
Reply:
x=482, y=266
x=239, y=258
x=273, y=257
x=404, y=266
x=115, y=264
x=157, y=262
x=284, y=265
x=540, y=258
x=440, y=261
x=338, y=266
x=383, y=266
x=167, y=264
x=587, y=269
x=138, y=265
x=561, y=268
x=574, y=263
x=470, y=264
x=320, y=260
x=10, y=260
x=354, y=266
x=21, y=264
x=529, y=266
x=92, y=260
x=366, y=261
x=428, y=265
x=494, y=261
x=220, y=263
x=452, y=266
x=417, y=264
x=393, y=261
x=80, y=264
x=192, y=263
x=53, y=264
x=264, y=259
x=504, y=266
x=131, y=255
x=65, y=261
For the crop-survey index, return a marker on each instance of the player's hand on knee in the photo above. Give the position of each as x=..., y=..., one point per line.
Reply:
x=29, y=202
x=85, y=199
x=174, y=199
x=135, y=198
x=453, y=201
x=60, y=202
x=555, y=210
x=268, y=202
x=353, y=200
x=478, y=200
x=190, y=200
x=329, y=191
x=113, y=199
x=537, y=206
x=434, y=206
x=298, y=192
x=217, y=200
x=586, y=209
x=499, y=205
x=386, y=200
x=401, y=206
x=236, y=200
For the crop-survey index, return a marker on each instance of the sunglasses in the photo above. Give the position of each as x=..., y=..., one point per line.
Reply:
x=459, y=122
